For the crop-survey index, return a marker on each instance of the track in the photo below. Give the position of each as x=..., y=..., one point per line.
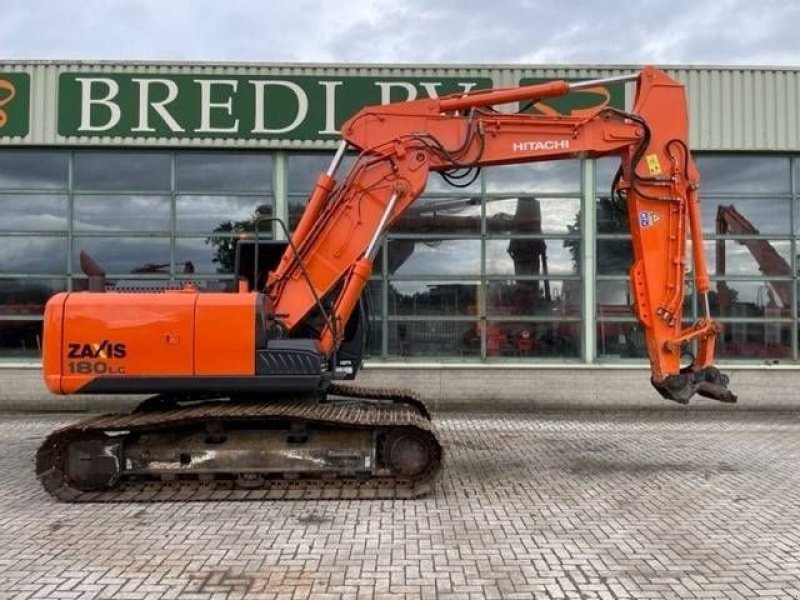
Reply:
x=384, y=414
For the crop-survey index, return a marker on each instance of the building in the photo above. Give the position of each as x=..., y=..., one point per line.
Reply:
x=156, y=169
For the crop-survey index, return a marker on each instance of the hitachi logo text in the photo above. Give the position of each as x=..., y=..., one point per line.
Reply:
x=540, y=145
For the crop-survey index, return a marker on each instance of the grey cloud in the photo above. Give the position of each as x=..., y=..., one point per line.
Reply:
x=448, y=31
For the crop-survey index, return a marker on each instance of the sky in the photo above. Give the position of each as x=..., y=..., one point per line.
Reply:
x=667, y=32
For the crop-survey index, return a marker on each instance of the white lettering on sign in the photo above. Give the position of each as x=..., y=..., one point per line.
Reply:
x=386, y=90
x=302, y=105
x=206, y=105
x=158, y=105
x=88, y=100
x=536, y=145
x=145, y=104
x=330, y=107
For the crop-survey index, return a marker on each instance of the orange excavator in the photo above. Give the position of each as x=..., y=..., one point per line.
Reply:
x=247, y=401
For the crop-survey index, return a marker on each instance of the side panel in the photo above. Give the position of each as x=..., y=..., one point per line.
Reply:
x=52, y=342
x=225, y=335
x=110, y=334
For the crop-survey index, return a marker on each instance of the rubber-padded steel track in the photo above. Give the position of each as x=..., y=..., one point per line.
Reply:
x=404, y=413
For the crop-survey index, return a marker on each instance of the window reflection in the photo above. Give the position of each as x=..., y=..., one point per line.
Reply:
x=305, y=168
x=20, y=339
x=426, y=298
x=440, y=339
x=530, y=215
x=620, y=339
x=121, y=213
x=434, y=257
x=33, y=212
x=441, y=215
x=523, y=338
x=758, y=341
x=125, y=255
x=122, y=171
x=207, y=256
x=746, y=217
x=614, y=299
x=27, y=297
x=549, y=297
x=221, y=213
x=33, y=255
x=743, y=174
x=552, y=176
x=531, y=257
x=749, y=257
x=223, y=171
x=33, y=169
x=611, y=214
x=605, y=170
x=614, y=257
x=731, y=298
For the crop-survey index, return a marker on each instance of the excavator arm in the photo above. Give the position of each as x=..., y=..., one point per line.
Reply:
x=329, y=260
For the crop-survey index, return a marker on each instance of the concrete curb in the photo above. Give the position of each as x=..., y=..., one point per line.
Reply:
x=475, y=389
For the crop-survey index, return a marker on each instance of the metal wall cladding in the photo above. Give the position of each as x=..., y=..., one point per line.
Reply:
x=731, y=108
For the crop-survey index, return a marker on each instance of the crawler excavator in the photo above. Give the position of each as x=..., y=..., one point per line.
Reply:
x=247, y=402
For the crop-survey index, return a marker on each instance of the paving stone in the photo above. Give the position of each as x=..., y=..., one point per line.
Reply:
x=551, y=505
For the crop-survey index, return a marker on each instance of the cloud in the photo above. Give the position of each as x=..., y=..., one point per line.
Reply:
x=415, y=31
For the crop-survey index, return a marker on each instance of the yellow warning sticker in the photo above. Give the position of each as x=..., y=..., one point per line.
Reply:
x=653, y=164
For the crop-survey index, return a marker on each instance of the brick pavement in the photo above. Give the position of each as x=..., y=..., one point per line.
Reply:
x=639, y=506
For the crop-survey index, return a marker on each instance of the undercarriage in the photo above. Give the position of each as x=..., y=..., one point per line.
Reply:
x=352, y=443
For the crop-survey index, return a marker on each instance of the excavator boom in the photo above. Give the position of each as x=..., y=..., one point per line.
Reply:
x=399, y=145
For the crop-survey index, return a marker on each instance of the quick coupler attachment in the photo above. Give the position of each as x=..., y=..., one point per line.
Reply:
x=708, y=382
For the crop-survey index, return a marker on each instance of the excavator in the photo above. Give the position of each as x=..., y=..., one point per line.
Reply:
x=247, y=400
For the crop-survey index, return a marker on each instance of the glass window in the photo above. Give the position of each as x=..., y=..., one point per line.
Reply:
x=541, y=297
x=440, y=258
x=550, y=176
x=605, y=170
x=427, y=298
x=755, y=341
x=739, y=174
x=303, y=171
x=124, y=171
x=531, y=215
x=20, y=339
x=456, y=214
x=749, y=257
x=614, y=299
x=33, y=255
x=121, y=213
x=27, y=297
x=614, y=257
x=222, y=213
x=124, y=255
x=620, y=339
x=746, y=217
x=33, y=169
x=223, y=171
x=207, y=256
x=33, y=212
x=611, y=215
x=524, y=338
x=468, y=184
x=435, y=338
x=305, y=168
x=532, y=257
x=770, y=299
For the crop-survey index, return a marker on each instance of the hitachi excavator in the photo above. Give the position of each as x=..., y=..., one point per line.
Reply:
x=247, y=402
